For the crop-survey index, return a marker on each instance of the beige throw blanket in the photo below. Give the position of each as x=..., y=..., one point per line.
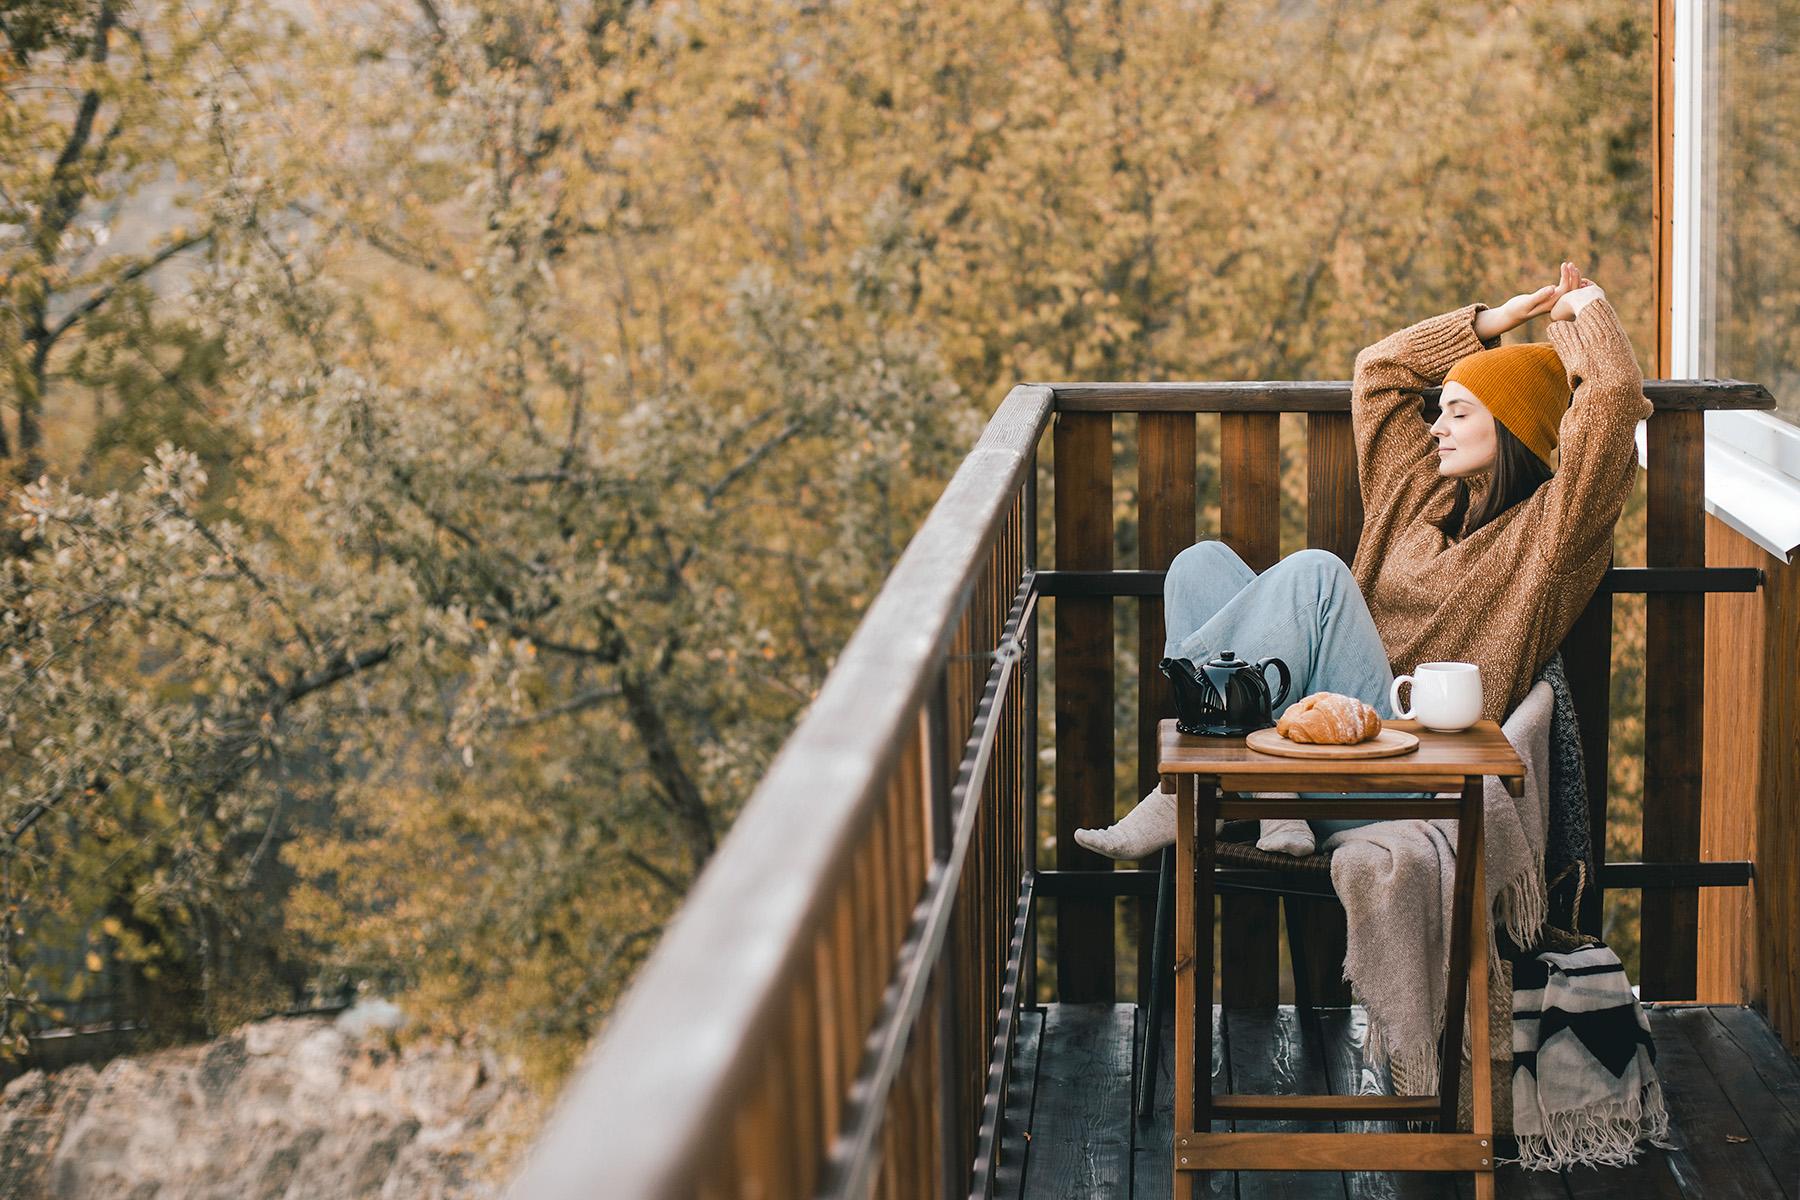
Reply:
x=1395, y=880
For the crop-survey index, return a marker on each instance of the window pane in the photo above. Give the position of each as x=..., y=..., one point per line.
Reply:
x=1752, y=198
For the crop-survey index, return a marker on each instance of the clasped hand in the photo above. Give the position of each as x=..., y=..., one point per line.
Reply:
x=1563, y=300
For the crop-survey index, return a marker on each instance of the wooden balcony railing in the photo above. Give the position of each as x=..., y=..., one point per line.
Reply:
x=1085, y=583
x=832, y=1012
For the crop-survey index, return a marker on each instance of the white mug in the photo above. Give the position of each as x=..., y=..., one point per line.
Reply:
x=1446, y=696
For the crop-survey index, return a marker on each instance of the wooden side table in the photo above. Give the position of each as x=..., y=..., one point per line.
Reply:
x=1197, y=769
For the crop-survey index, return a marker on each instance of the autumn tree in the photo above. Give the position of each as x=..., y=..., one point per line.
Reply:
x=581, y=370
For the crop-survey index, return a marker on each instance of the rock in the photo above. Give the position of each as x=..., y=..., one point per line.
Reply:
x=282, y=1109
x=369, y=1014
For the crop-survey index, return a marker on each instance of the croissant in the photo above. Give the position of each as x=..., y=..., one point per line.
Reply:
x=1329, y=717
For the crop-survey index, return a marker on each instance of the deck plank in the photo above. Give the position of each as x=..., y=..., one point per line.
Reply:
x=1718, y=1158
x=1346, y=1072
x=1773, y=1129
x=1272, y=1053
x=1152, y=1173
x=1768, y=1057
x=1081, y=1136
x=1153, y=1154
x=1015, y=1128
x=1724, y=1072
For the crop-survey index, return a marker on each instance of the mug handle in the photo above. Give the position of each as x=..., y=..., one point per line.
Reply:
x=1394, y=698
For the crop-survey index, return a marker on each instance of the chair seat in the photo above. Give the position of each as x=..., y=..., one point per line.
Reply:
x=1243, y=854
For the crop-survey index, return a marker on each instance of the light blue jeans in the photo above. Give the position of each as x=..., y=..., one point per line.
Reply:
x=1305, y=610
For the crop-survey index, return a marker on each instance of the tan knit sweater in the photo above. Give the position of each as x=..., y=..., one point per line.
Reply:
x=1505, y=596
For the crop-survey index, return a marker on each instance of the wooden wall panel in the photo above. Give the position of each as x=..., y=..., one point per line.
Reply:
x=1752, y=776
x=1736, y=658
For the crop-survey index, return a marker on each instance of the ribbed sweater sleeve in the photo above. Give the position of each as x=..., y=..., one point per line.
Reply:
x=1597, y=445
x=1395, y=452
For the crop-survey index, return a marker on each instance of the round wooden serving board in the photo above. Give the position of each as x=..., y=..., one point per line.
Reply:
x=1385, y=744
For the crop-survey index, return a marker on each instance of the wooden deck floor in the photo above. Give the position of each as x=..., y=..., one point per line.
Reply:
x=1733, y=1092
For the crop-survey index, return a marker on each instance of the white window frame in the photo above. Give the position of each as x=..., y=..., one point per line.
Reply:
x=1752, y=458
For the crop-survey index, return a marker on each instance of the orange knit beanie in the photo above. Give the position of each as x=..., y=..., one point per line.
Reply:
x=1524, y=386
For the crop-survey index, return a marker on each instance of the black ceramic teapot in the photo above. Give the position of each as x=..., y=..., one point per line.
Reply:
x=1225, y=696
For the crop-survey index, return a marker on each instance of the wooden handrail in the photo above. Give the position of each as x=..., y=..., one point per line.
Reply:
x=1629, y=581
x=645, y=1113
x=1333, y=396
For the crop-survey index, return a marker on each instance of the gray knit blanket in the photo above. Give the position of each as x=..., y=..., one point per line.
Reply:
x=1568, y=845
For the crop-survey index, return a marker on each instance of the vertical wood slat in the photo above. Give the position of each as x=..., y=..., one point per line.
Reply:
x=1587, y=659
x=1334, y=509
x=1084, y=699
x=1166, y=507
x=1334, y=519
x=805, y=1075
x=946, y=988
x=1674, y=696
x=1250, y=523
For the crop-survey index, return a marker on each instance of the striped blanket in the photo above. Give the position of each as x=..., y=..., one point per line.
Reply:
x=1584, y=1066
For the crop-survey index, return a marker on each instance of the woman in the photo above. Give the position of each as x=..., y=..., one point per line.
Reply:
x=1473, y=547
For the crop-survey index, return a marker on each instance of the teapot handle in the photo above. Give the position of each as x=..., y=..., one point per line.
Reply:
x=1263, y=669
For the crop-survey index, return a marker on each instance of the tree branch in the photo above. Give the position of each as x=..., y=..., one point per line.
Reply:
x=575, y=704
x=107, y=290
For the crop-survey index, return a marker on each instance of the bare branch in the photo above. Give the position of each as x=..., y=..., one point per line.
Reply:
x=787, y=433
x=107, y=290
x=575, y=704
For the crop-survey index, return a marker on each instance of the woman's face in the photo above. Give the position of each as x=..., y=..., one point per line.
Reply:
x=1465, y=433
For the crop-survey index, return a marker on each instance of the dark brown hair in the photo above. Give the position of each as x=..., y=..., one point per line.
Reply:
x=1515, y=475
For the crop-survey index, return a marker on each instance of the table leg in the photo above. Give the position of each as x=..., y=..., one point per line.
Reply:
x=1468, y=840
x=1206, y=804
x=1184, y=971
x=1481, y=1069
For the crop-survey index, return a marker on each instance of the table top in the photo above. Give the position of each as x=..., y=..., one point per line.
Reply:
x=1444, y=758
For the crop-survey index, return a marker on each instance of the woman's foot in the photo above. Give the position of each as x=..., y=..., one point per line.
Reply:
x=1141, y=832
x=1289, y=836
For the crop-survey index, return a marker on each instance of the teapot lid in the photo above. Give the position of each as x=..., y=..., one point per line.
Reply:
x=1226, y=659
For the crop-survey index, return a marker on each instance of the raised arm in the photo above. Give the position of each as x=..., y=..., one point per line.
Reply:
x=1597, y=442
x=1396, y=456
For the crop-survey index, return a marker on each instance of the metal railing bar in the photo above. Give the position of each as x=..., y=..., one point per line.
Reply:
x=999, y=1076
x=1676, y=875
x=853, y=1157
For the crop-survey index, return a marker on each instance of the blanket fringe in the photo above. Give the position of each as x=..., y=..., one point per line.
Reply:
x=1522, y=908
x=1603, y=1135
x=1416, y=1064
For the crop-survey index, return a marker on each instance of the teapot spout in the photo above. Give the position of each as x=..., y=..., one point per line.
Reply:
x=1169, y=667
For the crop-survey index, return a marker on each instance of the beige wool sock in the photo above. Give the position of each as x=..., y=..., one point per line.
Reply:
x=1141, y=832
